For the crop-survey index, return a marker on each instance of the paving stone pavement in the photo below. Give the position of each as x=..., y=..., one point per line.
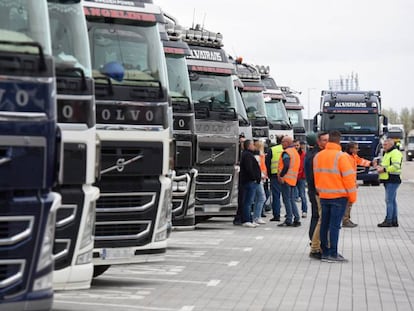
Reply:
x=221, y=267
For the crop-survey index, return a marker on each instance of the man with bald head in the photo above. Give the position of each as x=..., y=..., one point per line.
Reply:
x=390, y=175
x=288, y=176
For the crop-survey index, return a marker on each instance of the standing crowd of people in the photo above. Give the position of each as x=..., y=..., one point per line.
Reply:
x=329, y=174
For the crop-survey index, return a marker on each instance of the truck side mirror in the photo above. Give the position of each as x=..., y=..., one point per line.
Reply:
x=316, y=127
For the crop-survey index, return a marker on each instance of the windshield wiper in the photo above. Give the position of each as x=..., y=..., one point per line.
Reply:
x=245, y=121
x=42, y=62
x=63, y=70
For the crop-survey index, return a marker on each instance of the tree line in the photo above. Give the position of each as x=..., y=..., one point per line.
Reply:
x=405, y=117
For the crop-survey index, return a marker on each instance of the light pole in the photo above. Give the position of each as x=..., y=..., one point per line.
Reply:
x=309, y=118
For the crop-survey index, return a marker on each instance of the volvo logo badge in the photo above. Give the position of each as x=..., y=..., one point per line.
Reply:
x=120, y=164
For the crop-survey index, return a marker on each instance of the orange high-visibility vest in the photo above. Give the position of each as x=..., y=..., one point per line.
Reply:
x=291, y=176
x=357, y=160
x=335, y=176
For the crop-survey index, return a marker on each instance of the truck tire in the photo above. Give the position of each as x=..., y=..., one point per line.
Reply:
x=98, y=270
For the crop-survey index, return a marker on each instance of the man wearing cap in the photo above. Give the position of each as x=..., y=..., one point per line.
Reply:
x=272, y=164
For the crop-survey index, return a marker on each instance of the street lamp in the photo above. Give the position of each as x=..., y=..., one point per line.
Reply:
x=309, y=118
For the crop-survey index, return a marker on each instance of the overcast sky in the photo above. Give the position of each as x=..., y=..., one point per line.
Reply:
x=307, y=43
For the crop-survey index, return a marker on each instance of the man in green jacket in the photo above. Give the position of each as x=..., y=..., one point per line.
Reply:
x=390, y=174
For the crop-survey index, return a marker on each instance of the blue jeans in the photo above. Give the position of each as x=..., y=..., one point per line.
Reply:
x=288, y=196
x=301, y=185
x=275, y=187
x=296, y=192
x=332, y=212
x=260, y=199
x=249, y=195
x=391, y=202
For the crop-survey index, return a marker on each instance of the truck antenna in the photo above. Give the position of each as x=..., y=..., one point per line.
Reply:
x=192, y=26
x=204, y=20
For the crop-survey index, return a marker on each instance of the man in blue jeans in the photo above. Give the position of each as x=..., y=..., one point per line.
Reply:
x=272, y=164
x=250, y=177
x=335, y=182
x=288, y=175
x=390, y=172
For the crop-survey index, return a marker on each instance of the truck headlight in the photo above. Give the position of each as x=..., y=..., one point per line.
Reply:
x=87, y=236
x=164, y=216
x=44, y=282
x=45, y=256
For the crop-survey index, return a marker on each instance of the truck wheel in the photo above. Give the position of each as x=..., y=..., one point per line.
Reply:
x=98, y=270
x=409, y=159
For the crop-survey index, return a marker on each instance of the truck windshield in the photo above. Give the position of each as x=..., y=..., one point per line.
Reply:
x=276, y=112
x=269, y=83
x=24, y=21
x=296, y=118
x=350, y=122
x=69, y=34
x=217, y=91
x=137, y=49
x=241, y=110
x=255, y=105
x=410, y=139
x=395, y=134
x=178, y=76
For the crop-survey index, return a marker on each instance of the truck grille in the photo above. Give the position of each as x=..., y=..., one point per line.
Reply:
x=11, y=271
x=126, y=158
x=212, y=195
x=125, y=202
x=15, y=229
x=217, y=179
x=119, y=230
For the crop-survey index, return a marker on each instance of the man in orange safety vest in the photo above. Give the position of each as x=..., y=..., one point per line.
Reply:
x=335, y=182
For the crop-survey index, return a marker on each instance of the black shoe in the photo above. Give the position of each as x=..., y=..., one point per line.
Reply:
x=296, y=224
x=237, y=222
x=385, y=224
x=315, y=255
x=275, y=219
x=395, y=224
x=285, y=224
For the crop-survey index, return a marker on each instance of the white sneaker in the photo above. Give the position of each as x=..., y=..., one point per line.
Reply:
x=249, y=225
x=260, y=221
x=304, y=215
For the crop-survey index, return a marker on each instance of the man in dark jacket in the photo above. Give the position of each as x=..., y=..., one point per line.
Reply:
x=318, y=144
x=250, y=177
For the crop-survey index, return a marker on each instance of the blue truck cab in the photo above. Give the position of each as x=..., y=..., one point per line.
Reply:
x=28, y=157
x=357, y=115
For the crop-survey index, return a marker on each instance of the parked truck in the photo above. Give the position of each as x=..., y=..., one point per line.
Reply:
x=397, y=133
x=245, y=126
x=28, y=157
x=410, y=146
x=133, y=117
x=252, y=94
x=357, y=115
x=295, y=112
x=216, y=122
x=76, y=119
x=275, y=99
x=183, y=184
